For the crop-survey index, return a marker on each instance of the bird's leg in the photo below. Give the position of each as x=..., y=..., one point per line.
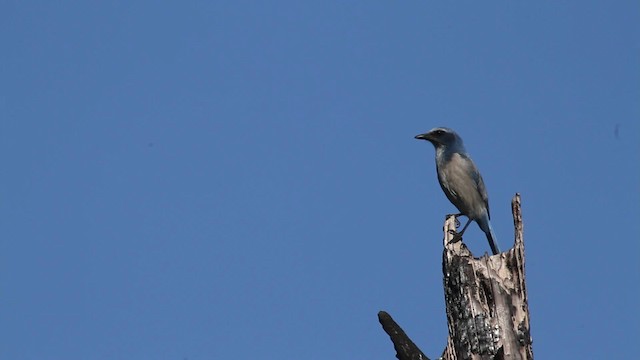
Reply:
x=458, y=236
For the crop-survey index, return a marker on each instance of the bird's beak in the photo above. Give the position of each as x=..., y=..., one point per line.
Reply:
x=424, y=136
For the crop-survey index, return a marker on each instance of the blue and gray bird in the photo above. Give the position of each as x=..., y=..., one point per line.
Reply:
x=461, y=181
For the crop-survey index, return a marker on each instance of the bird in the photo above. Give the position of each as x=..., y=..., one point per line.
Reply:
x=461, y=181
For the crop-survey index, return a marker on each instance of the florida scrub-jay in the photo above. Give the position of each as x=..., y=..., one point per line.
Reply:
x=461, y=181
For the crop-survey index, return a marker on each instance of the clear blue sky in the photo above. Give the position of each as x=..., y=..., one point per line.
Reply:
x=232, y=179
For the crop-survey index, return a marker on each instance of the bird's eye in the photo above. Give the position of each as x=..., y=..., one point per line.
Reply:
x=439, y=132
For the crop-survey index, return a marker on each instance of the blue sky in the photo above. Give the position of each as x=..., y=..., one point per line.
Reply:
x=207, y=180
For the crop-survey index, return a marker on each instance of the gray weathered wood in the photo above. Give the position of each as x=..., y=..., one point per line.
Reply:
x=486, y=299
x=486, y=302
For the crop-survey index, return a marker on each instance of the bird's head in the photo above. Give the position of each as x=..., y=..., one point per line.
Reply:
x=442, y=137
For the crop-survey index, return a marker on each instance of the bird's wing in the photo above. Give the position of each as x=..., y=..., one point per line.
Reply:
x=477, y=178
x=483, y=193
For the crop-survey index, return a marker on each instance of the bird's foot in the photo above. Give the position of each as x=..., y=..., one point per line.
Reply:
x=456, y=237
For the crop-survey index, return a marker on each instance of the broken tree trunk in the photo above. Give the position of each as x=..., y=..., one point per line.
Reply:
x=486, y=301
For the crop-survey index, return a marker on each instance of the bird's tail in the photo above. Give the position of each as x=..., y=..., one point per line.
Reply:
x=491, y=237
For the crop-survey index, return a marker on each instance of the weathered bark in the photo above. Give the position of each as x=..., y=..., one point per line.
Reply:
x=405, y=348
x=486, y=300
